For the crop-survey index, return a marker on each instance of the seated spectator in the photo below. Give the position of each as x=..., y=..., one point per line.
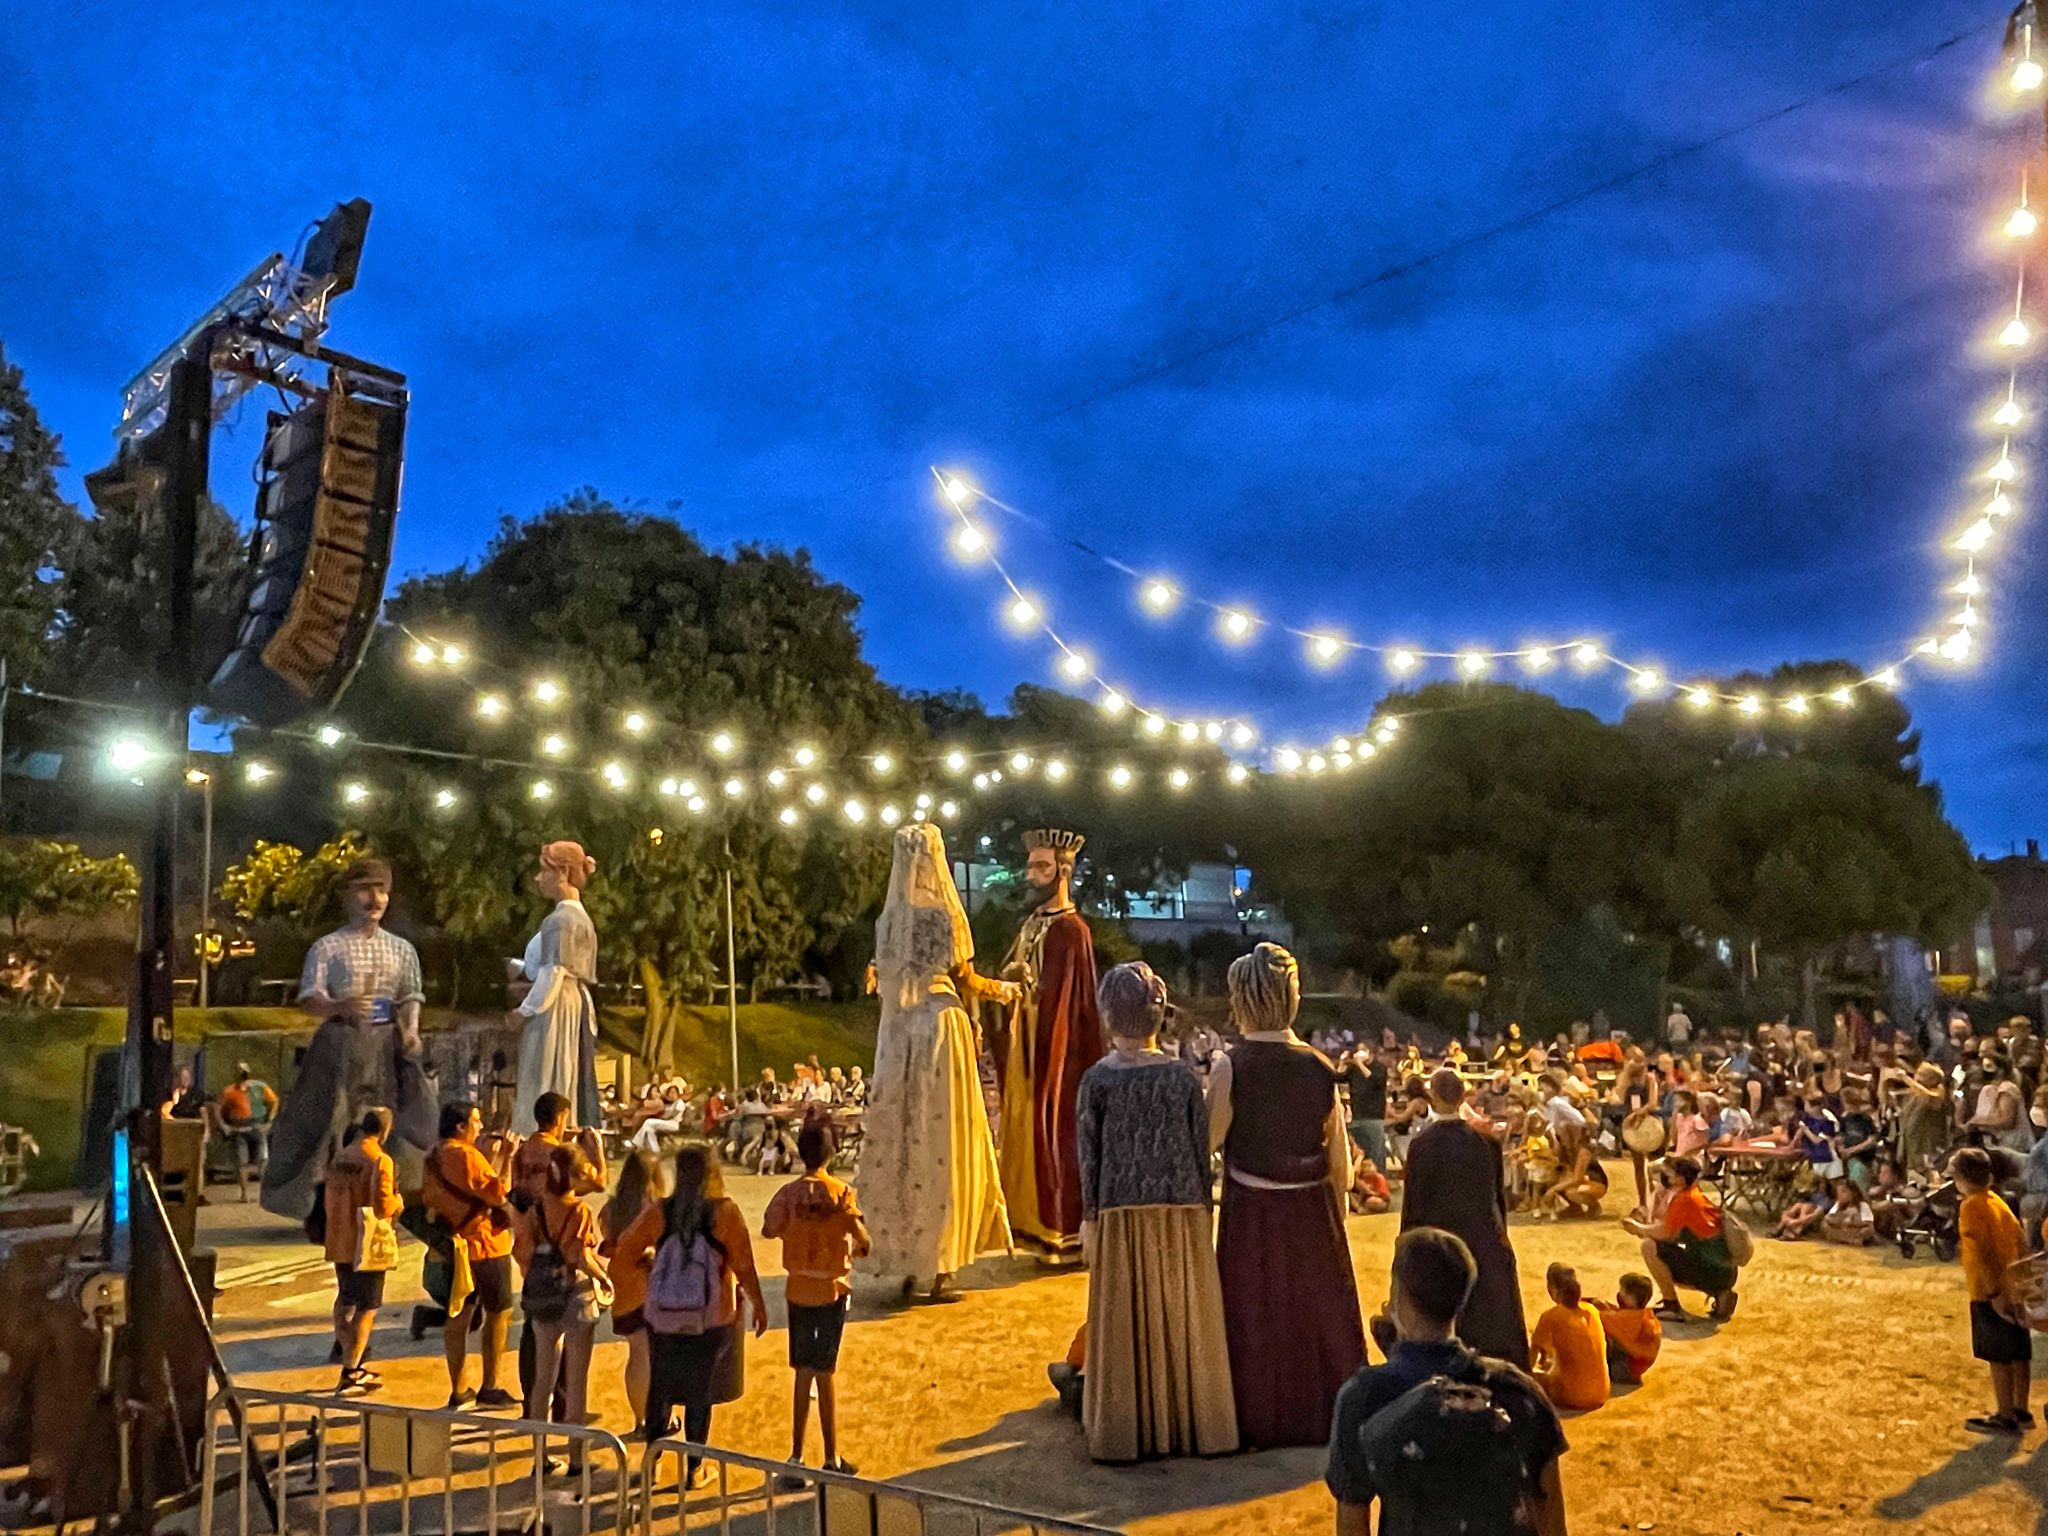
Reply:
x=1804, y=1214
x=246, y=1107
x=669, y=1116
x=1394, y=1444
x=1633, y=1333
x=1849, y=1220
x=1569, y=1345
x=856, y=1087
x=1860, y=1139
x=1370, y=1194
x=1690, y=1132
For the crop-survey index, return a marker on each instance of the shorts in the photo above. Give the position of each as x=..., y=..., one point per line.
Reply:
x=626, y=1324
x=492, y=1281
x=814, y=1334
x=362, y=1289
x=1995, y=1340
x=1699, y=1264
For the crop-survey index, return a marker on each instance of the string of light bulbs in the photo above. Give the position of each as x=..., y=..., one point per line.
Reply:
x=1161, y=597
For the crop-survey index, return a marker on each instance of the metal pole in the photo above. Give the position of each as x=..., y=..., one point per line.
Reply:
x=732, y=974
x=205, y=888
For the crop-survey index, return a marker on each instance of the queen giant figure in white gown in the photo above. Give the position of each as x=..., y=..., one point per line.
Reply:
x=558, y=1017
x=929, y=1184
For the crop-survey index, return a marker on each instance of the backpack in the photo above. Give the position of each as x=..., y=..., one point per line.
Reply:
x=1446, y=1459
x=546, y=1294
x=686, y=1289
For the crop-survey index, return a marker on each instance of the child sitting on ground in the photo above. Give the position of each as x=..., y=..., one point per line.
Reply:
x=1633, y=1333
x=1569, y=1345
x=1850, y=1221
x=1369, y=1193
x=1803, y=1214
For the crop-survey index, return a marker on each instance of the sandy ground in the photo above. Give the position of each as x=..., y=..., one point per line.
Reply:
x=1835, y=1398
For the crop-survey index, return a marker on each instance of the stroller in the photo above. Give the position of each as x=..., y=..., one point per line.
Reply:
x=1932, y=1219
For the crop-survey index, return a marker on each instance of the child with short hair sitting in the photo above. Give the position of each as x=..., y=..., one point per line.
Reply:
x=1850, y=1221
x=1539, y=1164
x=1370, y=1194
x=1569, y=1345
x=1633, y=1333
x=1803, y=1214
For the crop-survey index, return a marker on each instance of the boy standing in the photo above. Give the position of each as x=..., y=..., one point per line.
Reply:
x=1421, y=1434
x=822, y=1233
x=1991, y=1242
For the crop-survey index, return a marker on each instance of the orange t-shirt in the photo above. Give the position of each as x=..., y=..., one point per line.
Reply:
x=1691, y=1211
x=819, y=1223
x=1637, y=1331
x=360, y=1175
x=566, y=1223
x=459, y=1179
x=728, y=1230
x=629, y=1257
x=1992, y=1239
x=1572, y=1348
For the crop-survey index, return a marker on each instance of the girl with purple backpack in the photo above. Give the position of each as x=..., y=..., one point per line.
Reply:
x=703, y=1268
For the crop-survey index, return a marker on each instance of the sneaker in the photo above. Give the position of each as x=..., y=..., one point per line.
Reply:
x=495, y=1398
x=1993, y=1424
x=457, y=1401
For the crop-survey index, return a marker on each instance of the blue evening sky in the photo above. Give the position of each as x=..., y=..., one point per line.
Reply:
x=768, y=262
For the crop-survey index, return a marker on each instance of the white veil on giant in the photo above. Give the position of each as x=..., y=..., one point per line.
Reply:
x=923, y=931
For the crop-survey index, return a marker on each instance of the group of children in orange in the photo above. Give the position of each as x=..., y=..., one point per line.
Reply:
x=1582, y=1349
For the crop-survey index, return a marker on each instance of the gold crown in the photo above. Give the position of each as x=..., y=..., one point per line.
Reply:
x=1053, y=838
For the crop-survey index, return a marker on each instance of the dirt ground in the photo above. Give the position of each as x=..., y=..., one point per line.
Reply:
x=1835, y=1398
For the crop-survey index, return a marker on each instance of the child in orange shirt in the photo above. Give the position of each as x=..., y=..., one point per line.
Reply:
x=822, y=1234
x=1633, y=1333
x=1991, y=1243
x=1569, y=1347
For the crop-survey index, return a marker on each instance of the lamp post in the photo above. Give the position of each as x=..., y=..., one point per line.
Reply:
x=732, y=973
x=201, y=780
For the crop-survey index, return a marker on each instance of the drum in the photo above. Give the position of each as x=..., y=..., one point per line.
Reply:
x=1643, y=1133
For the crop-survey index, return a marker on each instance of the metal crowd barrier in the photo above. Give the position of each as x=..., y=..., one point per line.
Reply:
x=351, y=1466
x=782, y=1498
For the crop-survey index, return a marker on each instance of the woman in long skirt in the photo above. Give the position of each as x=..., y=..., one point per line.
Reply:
x=1290, y=1301
x=1157, y=1374
x=558, y=1018
x=928, y=1178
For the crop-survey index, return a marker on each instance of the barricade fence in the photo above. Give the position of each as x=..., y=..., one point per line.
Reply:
x=354, y=1466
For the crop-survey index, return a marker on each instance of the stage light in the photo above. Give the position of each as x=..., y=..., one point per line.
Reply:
x=2009, y=414
x=948, y=811
x=890, y=815
x=958, y=491
x=2000, y=505
x=1212, y=730
x=1886, y=677
x=697, y=805
x=1287, y=759
x=2004, y=469
x=1647, y=680
x=777, y=778
x=1974, y=537
x=1843, y=695
x=453, y=656
x=1317, y=762
x=2026, y=75
x=1243, y=736
x=1020, y=762
x=980, y=781
x=1190, y=732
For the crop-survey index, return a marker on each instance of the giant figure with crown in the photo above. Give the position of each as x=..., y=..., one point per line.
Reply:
x=1054, y=1036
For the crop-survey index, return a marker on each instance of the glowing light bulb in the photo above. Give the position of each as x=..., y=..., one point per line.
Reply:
x=1235, y=624
x=547, y=691
x=1324, y=649
x=541, y=789
x=329, y=735
x=1367, y=749
x=554, y=746
x=2026, y=75
x=355, y=794
x=1796, y=704
x=257, y=773
x=1843, y=695
x=635, y=722
x=2021, y=223
x=687, y=789
x=697, y=805
x=1237, y=773
x=1190, y=732
x=1966, y=617
x=1287, y=760
x=957, y=491
x=777, y=778
x=890, y=815
x=1384, y=734
x=1056, y=770
x=1647, y=680
x=1698, y=698
x=1159, y=596
x=1956, y=646
x=1112, y=702
x=2004, y=469
x=815, y=793
x=1120, y=777
x=804, y=757
x=981, y=781
x=788, y=816
x=1404, y=661
x=1536, y=659
x=2015, y=333
x=2000, y=505
x=1929, y=646
x=444, y=799
x=949, y=811
x=424, y=655
x=956, y=761
x=1341, y=760
x=1969, y=586
x=2008, y=414
x=1075, y=666
x=1243, y=736
x=614, y=774
x=1023, y=613
x=855, y=812
x=884, y=764
x=1155, y=725
x=1749, y=704
x=1887, y=677
x=1974, y=537
x=1317, y=762
x=734, y=788
x=970, y=540
x=1472, y=664
x=1586, y=654
x=666, y=786
x=1020, y=762
x=723, y=744
x=1179, y=778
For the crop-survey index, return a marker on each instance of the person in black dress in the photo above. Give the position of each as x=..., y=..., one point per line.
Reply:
x=1455, y=1182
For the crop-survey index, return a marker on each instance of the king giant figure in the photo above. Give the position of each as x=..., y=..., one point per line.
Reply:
x=1054, y=1036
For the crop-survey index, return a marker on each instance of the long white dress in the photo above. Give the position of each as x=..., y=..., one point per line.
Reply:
x=929, y=1184
x=561, y=1016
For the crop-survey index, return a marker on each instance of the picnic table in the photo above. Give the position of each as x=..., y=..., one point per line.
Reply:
x=1759, y=1172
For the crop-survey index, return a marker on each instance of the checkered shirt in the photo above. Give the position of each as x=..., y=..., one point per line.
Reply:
x=363, y=962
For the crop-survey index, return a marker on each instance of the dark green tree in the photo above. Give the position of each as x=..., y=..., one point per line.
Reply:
x=42, y=880
x=36, y=526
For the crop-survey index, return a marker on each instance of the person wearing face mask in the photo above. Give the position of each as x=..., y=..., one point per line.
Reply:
x=1054, y=1036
